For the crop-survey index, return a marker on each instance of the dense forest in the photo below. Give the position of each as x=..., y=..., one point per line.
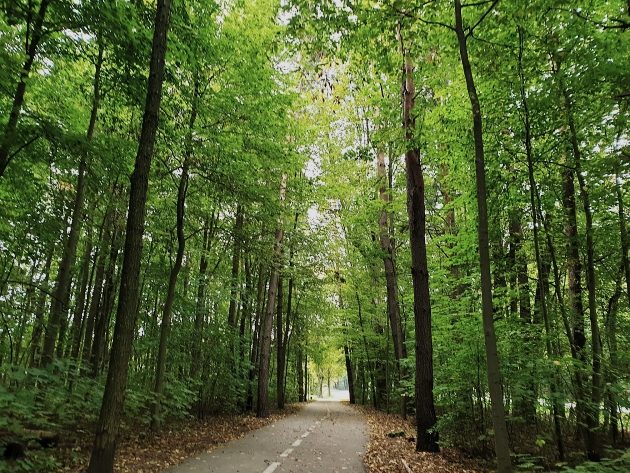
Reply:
x=218, y=206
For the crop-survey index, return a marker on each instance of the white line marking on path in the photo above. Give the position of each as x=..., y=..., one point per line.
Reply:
x=286, y=453
x=296, y=443
x=305, y=434
x=272, y=467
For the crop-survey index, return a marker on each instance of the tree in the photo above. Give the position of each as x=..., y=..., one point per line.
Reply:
x=102, y=459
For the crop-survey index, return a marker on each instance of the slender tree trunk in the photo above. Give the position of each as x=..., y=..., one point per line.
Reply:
x=427, y=436
x=280, y=346
x=202, y=282
x=38, y=326
x=262, y=406
x=9, y=135
x=79, y=307
x=593, y=442
x=249, y=404
x=236, y=261
x=103, y=315
x=540, y=267
x=102, y=458
x=165, y=329
x=502, y=447
x=391, y=278
x=623, y=232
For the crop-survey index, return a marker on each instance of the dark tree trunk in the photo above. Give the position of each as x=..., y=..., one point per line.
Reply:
x=542, y=269
x=236, y=259
x=202, y=283
x=103, y=249
x=623, y=233
x=350, y=373
x=103, y=316
x=262, y=406
x=8, y=137
x=391, y=278
x=38, y=326
x=593, y=442
x=170, y=298
x=102, y=458
x=502, y=447
x=427, y=436
x=79, y=307
x=165, y=329
x=280, y=347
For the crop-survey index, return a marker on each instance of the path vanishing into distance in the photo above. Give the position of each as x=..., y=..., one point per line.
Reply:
x=324, y=436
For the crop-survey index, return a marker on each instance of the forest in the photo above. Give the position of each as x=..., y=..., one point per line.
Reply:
x=215, y=207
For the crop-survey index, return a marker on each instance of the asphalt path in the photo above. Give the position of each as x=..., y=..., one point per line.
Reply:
x=322, y=437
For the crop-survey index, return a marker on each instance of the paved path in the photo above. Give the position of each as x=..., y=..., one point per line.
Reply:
x=323, y=437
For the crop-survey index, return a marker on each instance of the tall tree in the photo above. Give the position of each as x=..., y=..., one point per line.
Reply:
x=102, y=458
x=502, y=447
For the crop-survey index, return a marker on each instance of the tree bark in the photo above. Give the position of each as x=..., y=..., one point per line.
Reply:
x=8, y=138
x=262, y=406
x=502, y=447
x=427, y=436
x=102, y=458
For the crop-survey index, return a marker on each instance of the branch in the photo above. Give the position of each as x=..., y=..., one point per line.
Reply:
x=483, y=17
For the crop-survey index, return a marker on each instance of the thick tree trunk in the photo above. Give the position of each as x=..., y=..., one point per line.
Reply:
x=8, y=137
x=262, y=406
x=427, y=436
x=349, y=372
x=102, y=459
x=502, y=447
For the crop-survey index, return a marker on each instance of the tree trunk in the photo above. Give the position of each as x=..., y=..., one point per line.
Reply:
x=623, y=232
x=102, y=458
x=79, y=307
x=593, y=442
x=236, y=255
x=391, y=278
x=502, y=447
x=280, y=347
x=38, y=326
x=165, y=329
x=350, y=373
x=103, y=315
x=427, y=436
x=541, y=269
x=8, y=138
x=202, y=282
x=262, y=406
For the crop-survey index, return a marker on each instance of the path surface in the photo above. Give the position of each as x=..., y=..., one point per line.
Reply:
x=323, y=437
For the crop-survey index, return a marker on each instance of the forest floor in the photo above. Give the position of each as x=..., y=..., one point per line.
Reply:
x=391, y=449
x=143, y=452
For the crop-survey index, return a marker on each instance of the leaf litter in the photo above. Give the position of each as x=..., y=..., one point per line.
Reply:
x=391, y=449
